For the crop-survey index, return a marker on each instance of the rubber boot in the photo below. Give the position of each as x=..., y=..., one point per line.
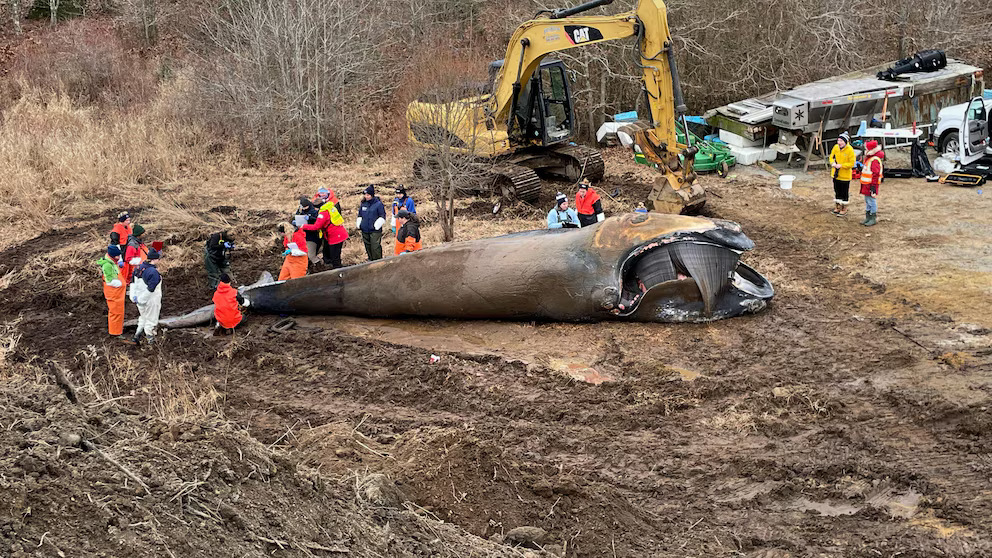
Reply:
x=870, y=220
x=136, y=340
x=867, y=215
x=150, y=340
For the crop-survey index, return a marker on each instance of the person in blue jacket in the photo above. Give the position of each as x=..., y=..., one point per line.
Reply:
x=562, y=216
x=402, y=201
x=371, y=218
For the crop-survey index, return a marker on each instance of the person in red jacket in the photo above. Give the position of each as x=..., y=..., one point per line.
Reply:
x=871, y=177
x=588, y=204
x=294, y=240
x=135, y=252
x=227, y=305
x=331, y=227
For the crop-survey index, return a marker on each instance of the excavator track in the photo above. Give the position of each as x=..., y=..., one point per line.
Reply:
x=516, y=182
x=581, y=162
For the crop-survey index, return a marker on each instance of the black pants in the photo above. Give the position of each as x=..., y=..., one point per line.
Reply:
x=332, y=254
x=842, y=189
x=586, y=220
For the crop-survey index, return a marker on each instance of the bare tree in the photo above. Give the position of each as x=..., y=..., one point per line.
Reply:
x=294, y=74
x=445, y=142
x=15, y=14
x=143, y=14
x=53, y=10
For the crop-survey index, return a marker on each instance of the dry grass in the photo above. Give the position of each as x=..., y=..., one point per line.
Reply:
x=9, y=338
x=56, y=157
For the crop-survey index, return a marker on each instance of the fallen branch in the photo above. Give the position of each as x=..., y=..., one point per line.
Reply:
x=90, y=446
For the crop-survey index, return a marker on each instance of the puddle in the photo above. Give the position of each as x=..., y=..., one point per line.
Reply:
x=824, y=508
x=898, y=505
x=582, y=372
x=687, y=375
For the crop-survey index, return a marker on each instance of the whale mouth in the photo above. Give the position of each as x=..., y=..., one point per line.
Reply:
x=703, y=270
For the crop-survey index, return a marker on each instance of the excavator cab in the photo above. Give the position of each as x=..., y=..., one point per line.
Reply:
x=544, y=114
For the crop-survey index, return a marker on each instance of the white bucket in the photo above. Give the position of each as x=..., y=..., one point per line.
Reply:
x=785, y=181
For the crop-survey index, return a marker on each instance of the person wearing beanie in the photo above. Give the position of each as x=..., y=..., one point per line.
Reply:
x=135, y=252
x=309, y=211
x=121, y=231
x=330, y=225
x=408, y=235
x=588, y=204
x=402, y=201
x=871, y=177
x=227, y=305
x=562, y=216
x=114, y=289
x=294, y=240
x=842, y=161
x=371, y=218
x=146, y=292
x=217, y=256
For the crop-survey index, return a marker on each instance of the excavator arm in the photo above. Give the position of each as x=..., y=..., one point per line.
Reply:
x=533, y=40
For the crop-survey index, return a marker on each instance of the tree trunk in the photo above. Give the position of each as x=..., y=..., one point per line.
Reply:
x=15, y=15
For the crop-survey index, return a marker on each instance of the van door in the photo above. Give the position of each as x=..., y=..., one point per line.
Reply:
x=974, y=132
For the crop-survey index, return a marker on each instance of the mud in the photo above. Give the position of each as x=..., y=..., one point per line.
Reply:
x=849, y=419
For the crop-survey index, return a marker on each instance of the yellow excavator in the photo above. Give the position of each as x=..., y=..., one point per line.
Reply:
x=525, y=122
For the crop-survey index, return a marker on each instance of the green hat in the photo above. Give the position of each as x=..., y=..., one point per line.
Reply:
x=137, y=230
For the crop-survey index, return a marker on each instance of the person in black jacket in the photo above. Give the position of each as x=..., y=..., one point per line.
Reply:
x=371, y=218
x=217, y=256
x=309, y=210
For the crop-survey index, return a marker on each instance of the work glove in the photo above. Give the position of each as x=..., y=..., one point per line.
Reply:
x=134, y=299
x=358, y=223
x=115, y=283
x=379, y=223
x=287, y=252
x=600, y=217
x=229, y=246
x=246, y=303
x=120, y=264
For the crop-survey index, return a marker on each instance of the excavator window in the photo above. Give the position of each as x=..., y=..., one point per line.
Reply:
x=557, y=109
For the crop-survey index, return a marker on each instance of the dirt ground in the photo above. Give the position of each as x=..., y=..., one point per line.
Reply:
x=848, y=419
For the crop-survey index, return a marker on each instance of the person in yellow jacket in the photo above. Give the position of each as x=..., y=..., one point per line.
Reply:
x=842, y=160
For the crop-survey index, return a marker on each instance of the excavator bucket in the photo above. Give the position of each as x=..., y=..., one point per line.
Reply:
x=686, y=198
x=676, y=190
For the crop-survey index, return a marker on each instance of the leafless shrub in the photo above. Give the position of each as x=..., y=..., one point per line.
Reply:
x=290, y=75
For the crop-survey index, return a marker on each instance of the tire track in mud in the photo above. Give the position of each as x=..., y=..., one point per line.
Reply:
x=791, y=408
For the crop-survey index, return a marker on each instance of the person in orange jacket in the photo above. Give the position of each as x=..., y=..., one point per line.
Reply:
x=121, y=231
x=588, y=204
x=114, y=289
x=294, y=240
x=407, y=233
x=227, y=305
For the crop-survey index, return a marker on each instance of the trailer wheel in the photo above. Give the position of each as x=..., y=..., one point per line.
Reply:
x=723, y=170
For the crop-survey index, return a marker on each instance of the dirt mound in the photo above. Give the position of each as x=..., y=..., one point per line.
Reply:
x=99, y=480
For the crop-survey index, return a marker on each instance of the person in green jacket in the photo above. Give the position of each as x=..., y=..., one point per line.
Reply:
x=842, y=160
x=114, y=289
